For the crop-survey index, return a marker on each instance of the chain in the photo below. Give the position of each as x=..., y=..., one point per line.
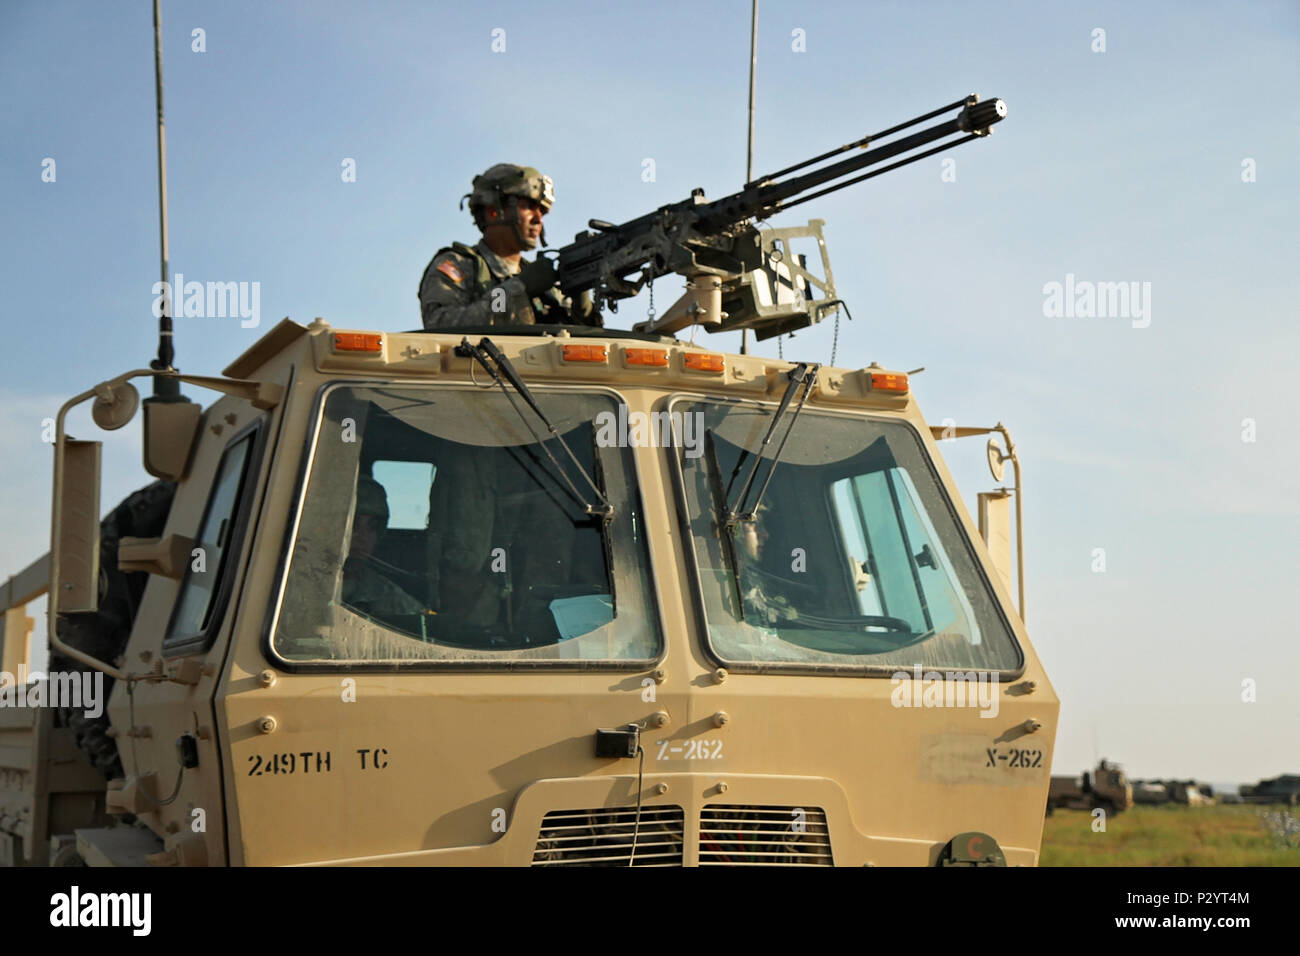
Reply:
x=780, y=348
x=835, y=338
x=650, y=312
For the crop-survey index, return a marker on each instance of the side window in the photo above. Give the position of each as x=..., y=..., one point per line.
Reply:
x=407, y=484
x=945, y=603
x=901, y=569
x=206, y=583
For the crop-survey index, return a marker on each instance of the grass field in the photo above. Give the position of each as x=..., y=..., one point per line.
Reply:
x=1172, y=835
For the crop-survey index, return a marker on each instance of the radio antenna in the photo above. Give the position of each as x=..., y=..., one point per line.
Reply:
x=164, y=389
x=749, y=150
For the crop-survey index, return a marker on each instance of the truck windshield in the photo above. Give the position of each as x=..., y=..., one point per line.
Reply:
x=433, y=527
x=855, y=562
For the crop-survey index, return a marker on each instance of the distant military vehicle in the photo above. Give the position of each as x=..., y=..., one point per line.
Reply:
x=1283, y=789
x=1189, y=793
x=1150, y=792
x=542, y=595
x=1106, y=787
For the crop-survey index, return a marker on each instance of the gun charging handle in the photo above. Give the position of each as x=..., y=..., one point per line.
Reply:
x=977, y=117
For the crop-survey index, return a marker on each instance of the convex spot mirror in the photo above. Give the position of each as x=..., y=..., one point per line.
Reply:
x=115, y=405
x=997, y=459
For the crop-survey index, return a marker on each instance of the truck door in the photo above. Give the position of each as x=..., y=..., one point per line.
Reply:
x=169, y=741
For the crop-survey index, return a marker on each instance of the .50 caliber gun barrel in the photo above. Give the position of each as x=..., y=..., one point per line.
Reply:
x=679, y=236
x=764, y=197
x=857, y=143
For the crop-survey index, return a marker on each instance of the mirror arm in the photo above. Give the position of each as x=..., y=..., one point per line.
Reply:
x=1020, y=525
x=940, y=432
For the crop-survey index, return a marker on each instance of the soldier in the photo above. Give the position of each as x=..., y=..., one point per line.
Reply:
x=489, y=283
x=365, y=587
x=761, y=608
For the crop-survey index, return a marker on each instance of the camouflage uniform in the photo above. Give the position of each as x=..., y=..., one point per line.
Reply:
x=458, y=286
x=760, y=608
x=472, y=285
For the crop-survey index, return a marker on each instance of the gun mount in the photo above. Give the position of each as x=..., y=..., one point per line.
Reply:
x=739, y=276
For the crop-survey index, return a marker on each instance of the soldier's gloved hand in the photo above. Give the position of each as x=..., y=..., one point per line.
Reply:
x=538, y=275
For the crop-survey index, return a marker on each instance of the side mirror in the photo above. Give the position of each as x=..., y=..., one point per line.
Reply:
x=995, y=529
x=78, y=544
x=169, y=432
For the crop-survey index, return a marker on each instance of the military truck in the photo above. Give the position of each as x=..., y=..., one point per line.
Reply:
x=1188, y=793
x=1106, y=787
x=1151, y=792
x=1281, y=789
x=543, y=595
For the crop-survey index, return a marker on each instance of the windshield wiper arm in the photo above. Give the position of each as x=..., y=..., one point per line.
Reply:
x=803, y=374
x=485, y=350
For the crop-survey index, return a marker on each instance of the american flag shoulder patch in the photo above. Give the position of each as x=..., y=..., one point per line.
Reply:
x=451, y=272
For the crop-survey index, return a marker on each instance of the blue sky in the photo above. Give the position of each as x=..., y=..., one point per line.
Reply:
x=1117, y=166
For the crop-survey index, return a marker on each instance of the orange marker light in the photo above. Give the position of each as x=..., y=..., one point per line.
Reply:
x=658, y=358
x=586, y=353
x=888, y=382
x=705, y=361
x=358, y=342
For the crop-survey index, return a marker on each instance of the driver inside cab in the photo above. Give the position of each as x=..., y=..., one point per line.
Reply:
x=366, y=588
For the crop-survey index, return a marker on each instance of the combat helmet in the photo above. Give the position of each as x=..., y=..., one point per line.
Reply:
x=501, y=186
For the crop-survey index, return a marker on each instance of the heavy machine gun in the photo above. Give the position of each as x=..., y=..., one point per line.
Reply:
x=737, y=275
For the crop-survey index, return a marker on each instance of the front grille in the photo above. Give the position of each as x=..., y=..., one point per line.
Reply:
x=604, y=837
x=764, y=836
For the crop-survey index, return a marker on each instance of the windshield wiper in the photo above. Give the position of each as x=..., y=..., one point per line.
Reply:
x=803, y=374
x=499, y=366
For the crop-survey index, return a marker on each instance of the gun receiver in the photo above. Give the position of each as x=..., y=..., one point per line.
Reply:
x=738, y=276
